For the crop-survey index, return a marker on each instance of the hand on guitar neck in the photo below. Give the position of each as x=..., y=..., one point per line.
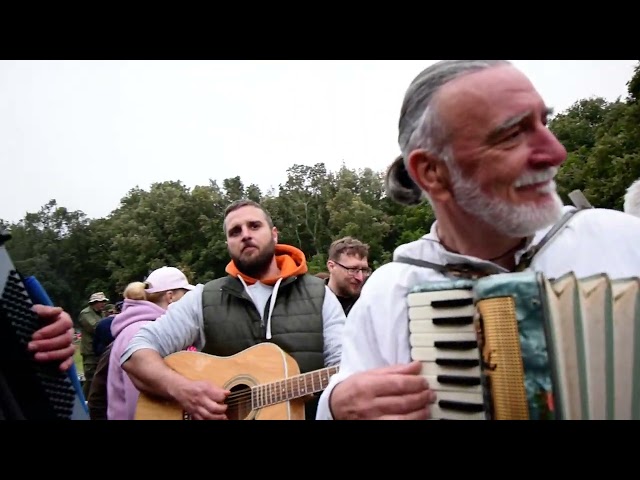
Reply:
x=201, y=399
x=397, y=392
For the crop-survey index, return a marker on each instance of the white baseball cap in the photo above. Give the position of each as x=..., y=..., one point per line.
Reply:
x=166, y=278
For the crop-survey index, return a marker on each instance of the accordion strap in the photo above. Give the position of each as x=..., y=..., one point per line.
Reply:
x=473, y=272
x=457, y=270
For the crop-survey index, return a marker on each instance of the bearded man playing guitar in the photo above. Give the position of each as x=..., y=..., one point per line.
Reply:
x=242, y=325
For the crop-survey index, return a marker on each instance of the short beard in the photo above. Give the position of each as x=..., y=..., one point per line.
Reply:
x=511, y=220
x=345, y=291
x=256, y=267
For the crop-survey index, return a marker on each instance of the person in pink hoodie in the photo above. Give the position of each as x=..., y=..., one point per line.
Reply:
x=144, y=302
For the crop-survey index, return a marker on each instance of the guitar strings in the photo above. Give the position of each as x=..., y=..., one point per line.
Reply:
x=243, y=396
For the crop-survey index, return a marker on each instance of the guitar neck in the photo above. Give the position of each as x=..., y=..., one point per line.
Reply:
x=291, y=388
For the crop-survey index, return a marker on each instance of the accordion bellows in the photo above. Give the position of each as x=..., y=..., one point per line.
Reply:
x=520, y=346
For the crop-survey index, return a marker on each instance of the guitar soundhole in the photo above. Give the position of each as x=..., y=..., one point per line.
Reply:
x=239, y=402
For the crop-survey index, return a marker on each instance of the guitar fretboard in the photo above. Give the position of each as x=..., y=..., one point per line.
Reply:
x=290, y=388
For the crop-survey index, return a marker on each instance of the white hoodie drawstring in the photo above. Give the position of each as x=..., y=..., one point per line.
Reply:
x=272, y=302
x=272, y=305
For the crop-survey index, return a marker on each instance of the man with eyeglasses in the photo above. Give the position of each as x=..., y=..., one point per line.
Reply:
x=348, y=268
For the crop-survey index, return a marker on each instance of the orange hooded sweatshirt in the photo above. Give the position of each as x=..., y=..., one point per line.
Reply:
x=290, y=260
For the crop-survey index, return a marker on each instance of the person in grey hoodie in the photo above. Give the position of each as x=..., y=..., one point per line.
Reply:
x=144, y=302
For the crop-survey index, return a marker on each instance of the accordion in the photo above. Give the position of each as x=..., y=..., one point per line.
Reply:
x=521, y=346
x=30, y=390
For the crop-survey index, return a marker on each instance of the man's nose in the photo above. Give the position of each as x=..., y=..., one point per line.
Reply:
x=246, y=233
x=549, y=152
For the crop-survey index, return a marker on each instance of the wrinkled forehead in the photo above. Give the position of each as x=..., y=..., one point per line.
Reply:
x=244, y=216
x=484, y=99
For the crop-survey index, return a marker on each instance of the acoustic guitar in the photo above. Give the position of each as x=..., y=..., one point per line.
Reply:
x=265, y=384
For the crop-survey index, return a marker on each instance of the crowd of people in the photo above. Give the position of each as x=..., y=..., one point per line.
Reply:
x=474, y=143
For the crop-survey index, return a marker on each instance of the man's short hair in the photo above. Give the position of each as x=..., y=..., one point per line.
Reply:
x=632, y=199
x=349, y=246
x=245, y=202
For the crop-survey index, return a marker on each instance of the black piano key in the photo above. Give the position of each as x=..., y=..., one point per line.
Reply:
x=458, y=362
x=455, y=345
x=461, y=406
x=458, y=380
x=467, y=320
x=452, y=303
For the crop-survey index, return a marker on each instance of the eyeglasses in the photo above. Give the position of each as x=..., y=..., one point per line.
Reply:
x=353, y=270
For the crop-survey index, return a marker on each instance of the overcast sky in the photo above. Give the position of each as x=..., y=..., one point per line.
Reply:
x=85, y=132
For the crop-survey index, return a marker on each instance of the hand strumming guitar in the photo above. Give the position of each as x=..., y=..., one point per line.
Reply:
x=200, y=399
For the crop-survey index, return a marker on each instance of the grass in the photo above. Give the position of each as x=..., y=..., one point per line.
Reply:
x=77, y=358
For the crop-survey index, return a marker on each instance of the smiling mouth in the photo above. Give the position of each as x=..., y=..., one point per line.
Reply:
x=541, y=181
x=546, y=186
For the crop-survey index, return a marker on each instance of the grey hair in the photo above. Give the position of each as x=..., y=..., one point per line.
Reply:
x=420, y=126
x=632, y=199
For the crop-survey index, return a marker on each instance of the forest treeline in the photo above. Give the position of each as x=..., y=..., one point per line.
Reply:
x=170, y=224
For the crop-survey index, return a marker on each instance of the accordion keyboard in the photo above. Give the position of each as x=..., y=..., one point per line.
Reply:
x=443, y=338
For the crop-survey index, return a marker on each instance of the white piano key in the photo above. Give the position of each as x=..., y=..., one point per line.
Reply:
x=430, y=339
x=464, y=397
x=431, y=354
x=433, y=369
x=435, y=385
x=427, y=326
x=428, y=312
x=418, y=299
x=438, y=414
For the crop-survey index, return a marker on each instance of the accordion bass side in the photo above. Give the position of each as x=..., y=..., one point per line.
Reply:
x=38, y=390
x=520, y=346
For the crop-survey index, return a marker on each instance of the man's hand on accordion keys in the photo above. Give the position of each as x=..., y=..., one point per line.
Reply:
x=54, y=341
x=397, y=392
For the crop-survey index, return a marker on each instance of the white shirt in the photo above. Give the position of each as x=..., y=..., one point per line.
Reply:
x=376, y=333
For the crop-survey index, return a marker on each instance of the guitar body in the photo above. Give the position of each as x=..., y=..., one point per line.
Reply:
x=263, y=363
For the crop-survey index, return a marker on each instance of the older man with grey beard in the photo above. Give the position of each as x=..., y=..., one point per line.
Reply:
x=475, y=144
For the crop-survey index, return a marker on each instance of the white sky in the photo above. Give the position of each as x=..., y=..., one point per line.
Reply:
x=86, y=132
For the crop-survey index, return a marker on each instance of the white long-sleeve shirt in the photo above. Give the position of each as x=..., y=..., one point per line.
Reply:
x=182, y=324
x=377, y=330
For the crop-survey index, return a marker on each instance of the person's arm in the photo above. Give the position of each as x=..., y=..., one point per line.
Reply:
x=376, y=378
x=88, y=322
x=359, y=351
x=334, y=320
x=143, y=359
x=179, y=327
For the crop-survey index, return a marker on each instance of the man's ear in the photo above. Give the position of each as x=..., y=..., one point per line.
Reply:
x=431, y=174
x=274, y=234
